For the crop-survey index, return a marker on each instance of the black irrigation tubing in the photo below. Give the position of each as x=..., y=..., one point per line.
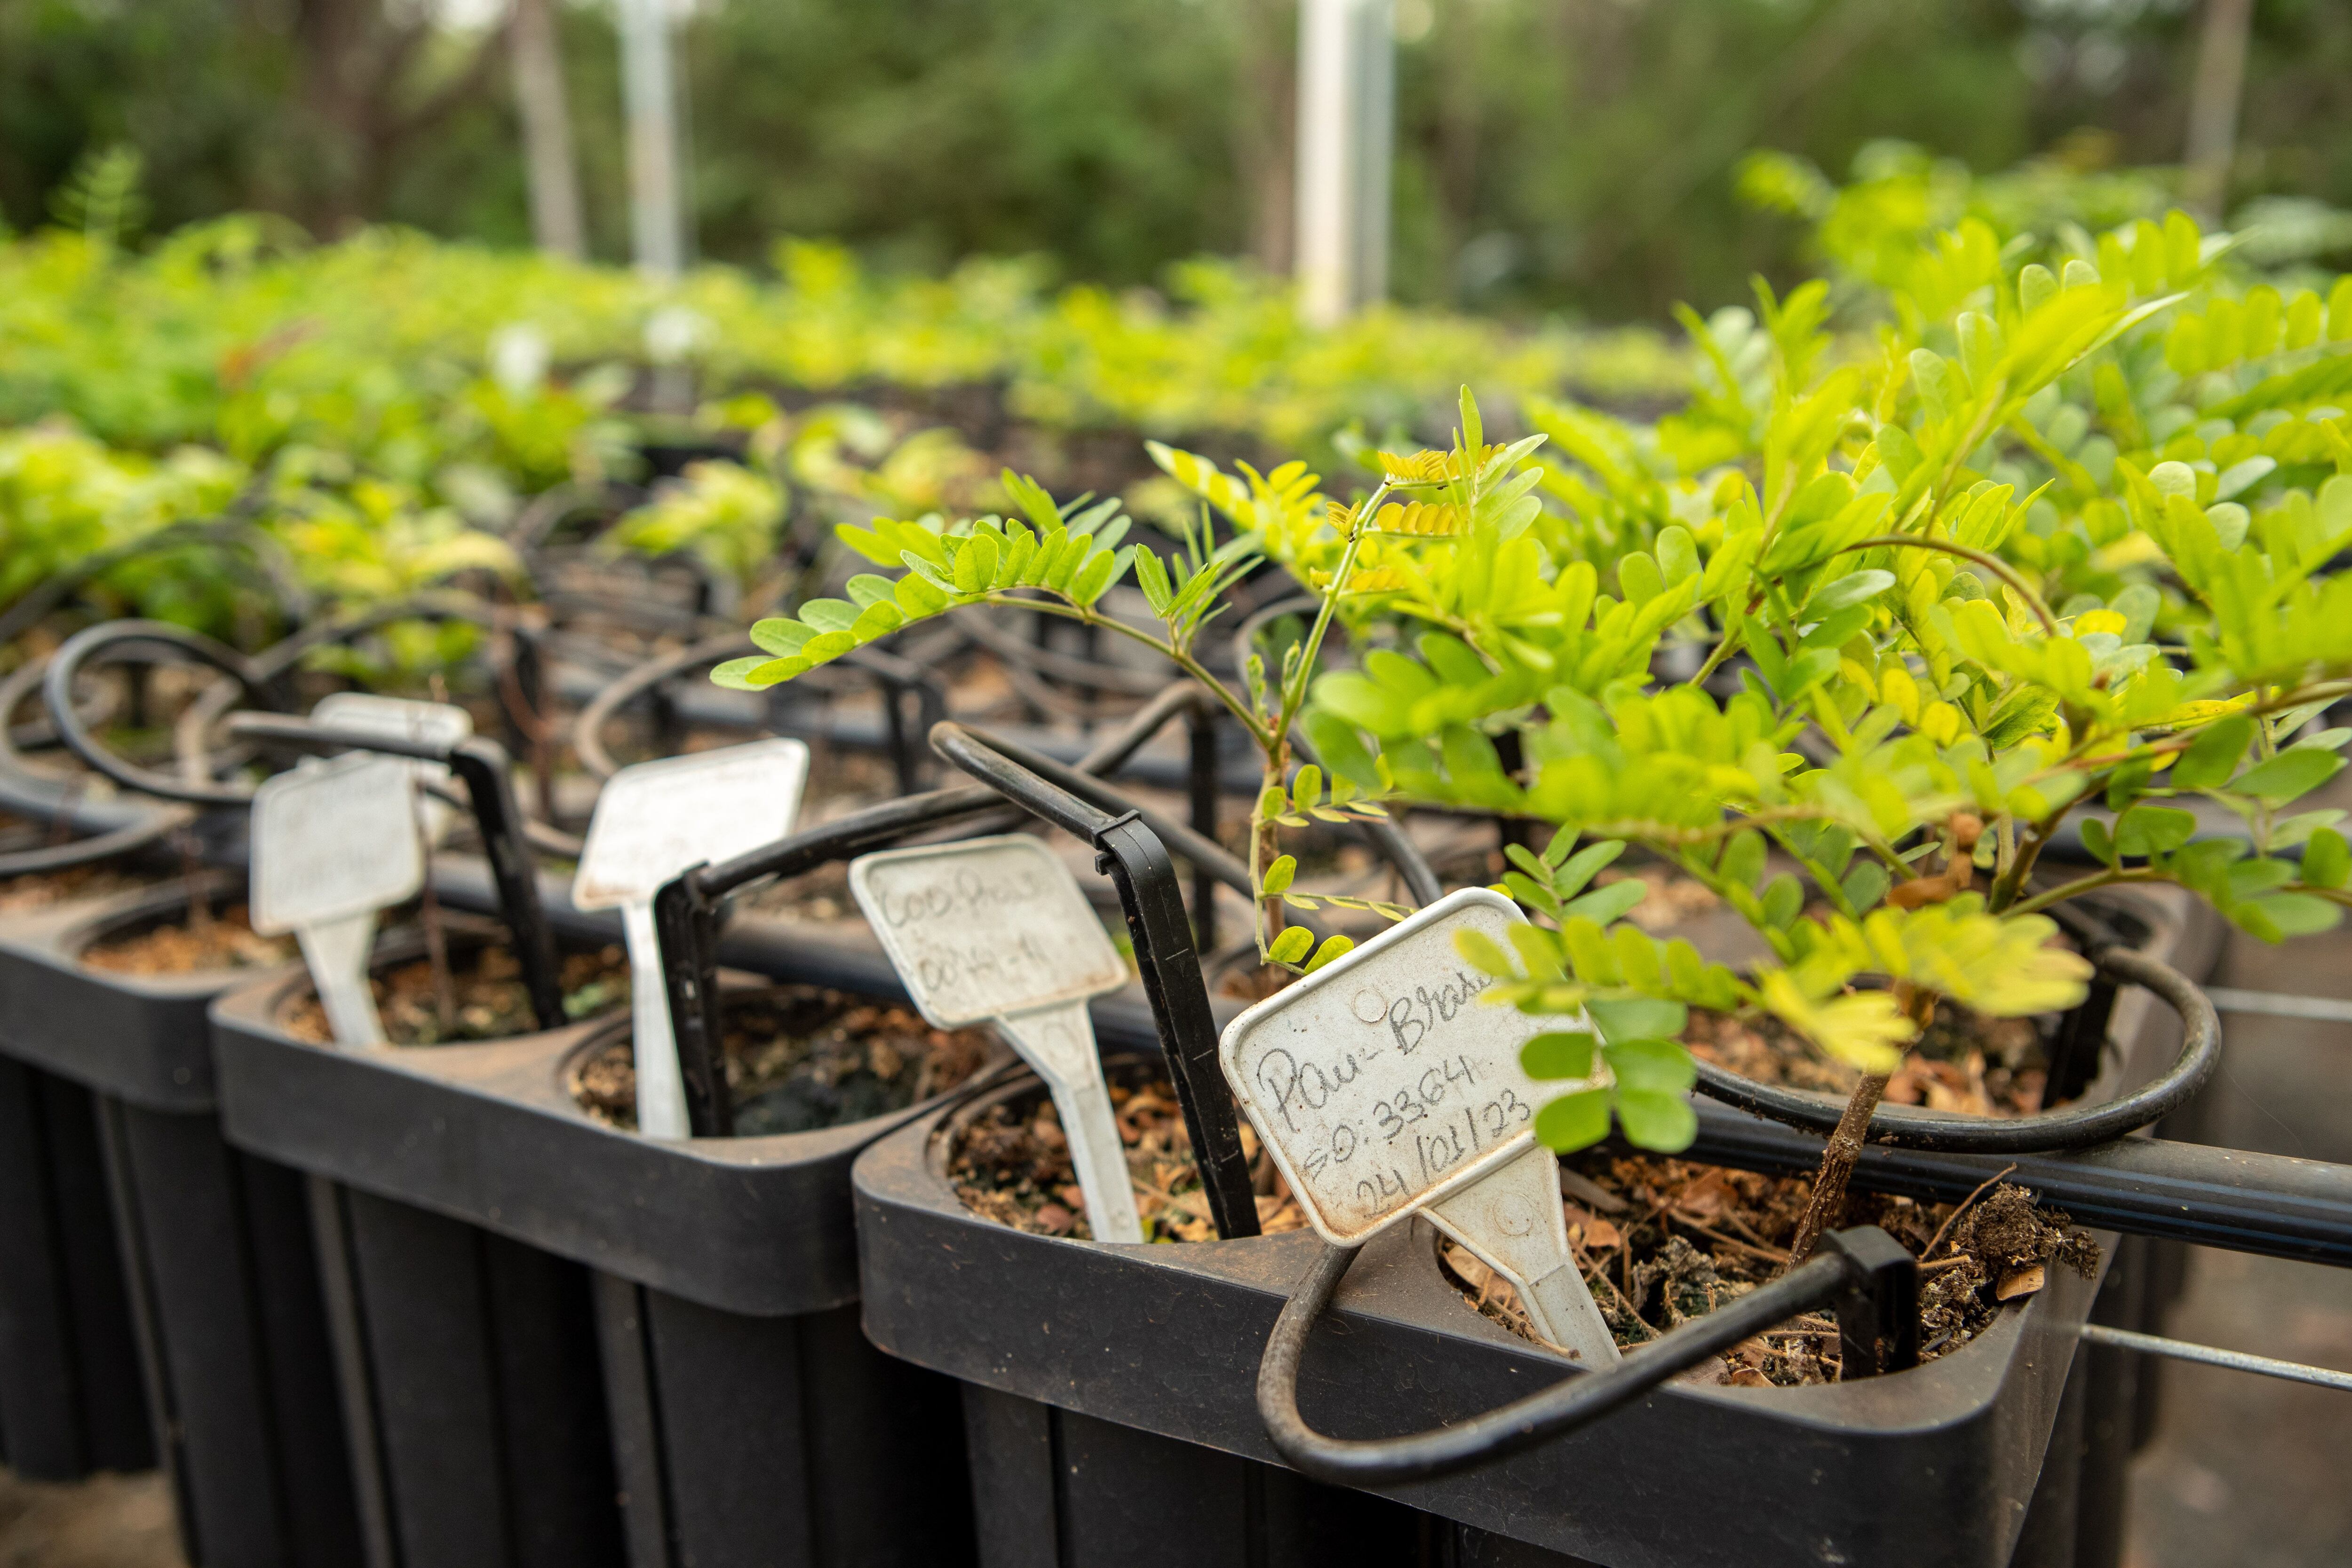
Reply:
x=2048, y=1131
x=1867, y=1274
x=260, y=676
x=274, y=569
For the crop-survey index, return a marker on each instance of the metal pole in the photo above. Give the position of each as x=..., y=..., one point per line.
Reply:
x=554, y=174
x=1347, y=70
x=656, y=221
x=2210, y=1355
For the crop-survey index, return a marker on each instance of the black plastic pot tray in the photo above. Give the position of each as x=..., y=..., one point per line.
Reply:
x=1931, y=1466
x=750, y=1420
x=222, y=1278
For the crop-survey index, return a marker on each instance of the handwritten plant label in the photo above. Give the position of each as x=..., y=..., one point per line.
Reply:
x=985, y=928
x=334, y=839
x=652, y=821
x=334, y=842
x=995, y=931
x=441, y=724
x=1381, y=1082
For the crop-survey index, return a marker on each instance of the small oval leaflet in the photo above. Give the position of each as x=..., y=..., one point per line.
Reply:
x=985, y=928
x=333, y=841
x=1381, y=1082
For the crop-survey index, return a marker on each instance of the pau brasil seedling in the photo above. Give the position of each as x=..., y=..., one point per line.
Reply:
x=2039, y=549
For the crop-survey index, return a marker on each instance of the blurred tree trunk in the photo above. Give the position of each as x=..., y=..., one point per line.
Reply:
x=356, y=62
x=1265, y=125
x=555, y=172
x=2213, y=100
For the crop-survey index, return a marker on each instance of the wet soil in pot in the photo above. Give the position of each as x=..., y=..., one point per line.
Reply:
x=801, y=1057
x=1963, y=1062
x=485, y=998
x=1011, y=1165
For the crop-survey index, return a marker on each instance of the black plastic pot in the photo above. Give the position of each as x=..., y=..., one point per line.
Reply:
x=70, y=1397
x=222, y=1279
x=702, y=1291
x=1935, y=1464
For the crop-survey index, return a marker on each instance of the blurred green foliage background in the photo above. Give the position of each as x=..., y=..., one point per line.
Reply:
x=1570, y=156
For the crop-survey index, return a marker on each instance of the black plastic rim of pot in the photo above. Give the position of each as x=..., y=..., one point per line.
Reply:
x=1857, y=1262
x=762, y=1226
x=140, y=1038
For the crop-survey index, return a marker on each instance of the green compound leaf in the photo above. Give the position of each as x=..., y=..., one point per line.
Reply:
x=1574, y=1122
x=1291, y=945
x=1558, y=1054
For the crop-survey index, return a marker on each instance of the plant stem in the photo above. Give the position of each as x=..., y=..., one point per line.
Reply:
x=1992, y=564
x=2081, y=885
x=1296, y=693
x=1828, y=1201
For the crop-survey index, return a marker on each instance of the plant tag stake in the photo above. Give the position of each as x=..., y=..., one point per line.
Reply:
x=441, y=724
x=1383, y=1088
x=334, y=842
x=652, y=821
x=995, y=931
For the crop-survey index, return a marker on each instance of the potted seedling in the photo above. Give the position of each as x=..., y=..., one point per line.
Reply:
x=1886, y=720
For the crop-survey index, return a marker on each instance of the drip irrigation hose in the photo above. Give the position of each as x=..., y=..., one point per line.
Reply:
x=274, y=569
x=2048, y=1131
x=1867, y=1274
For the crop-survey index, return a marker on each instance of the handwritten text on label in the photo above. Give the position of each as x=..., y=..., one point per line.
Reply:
x=1382, y=1081
x=986, y=928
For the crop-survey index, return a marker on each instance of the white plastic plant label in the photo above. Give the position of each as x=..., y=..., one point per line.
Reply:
x=652, y=821
x=334, y=842
x=443, y=724
x=1383, y=1088
x=996, y=931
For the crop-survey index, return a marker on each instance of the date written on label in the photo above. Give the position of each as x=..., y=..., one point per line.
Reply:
x=1385, y=1080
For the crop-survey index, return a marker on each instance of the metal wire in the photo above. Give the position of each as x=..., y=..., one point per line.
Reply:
x=2210, y=1355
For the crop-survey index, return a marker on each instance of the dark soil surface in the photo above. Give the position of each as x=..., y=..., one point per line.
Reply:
x=193, y=944
x=800, y=1057
x=1014, y=1167
x=1662, y=1241
x=1964, y=1062
x=486, y=999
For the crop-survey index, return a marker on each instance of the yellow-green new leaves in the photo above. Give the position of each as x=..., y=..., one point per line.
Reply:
x=723, y=513
x=1073, y=561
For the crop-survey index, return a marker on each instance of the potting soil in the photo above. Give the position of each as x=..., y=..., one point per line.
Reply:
x=24, y=895
x=800, y=1057
x=1662, y=1241
x=198, y=939
x=1963, y=1062
x=1014, y=1168
x=485, y=1000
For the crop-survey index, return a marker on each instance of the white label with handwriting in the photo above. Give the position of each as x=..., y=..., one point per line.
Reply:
x=985, y=928
x=1381, y=1082
x=995, y=931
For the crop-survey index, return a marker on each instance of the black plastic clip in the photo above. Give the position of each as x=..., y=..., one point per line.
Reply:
x=1878, y=1311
